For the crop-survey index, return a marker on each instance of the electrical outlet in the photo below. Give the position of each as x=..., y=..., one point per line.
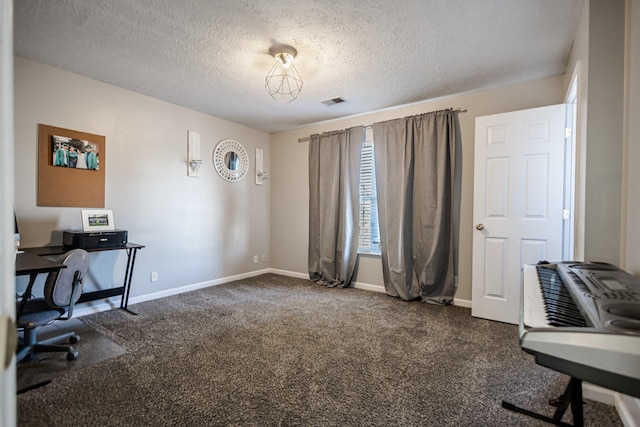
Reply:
x=154, y=276
x=264, y=257
x=255, y=259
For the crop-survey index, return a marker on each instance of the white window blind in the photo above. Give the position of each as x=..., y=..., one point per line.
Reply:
x=369, y=239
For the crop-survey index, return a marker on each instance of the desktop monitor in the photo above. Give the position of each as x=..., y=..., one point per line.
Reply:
x=16, y=231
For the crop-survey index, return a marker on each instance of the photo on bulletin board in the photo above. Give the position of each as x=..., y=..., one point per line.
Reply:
x=70, y=177
x=74, y=153
x=97, y=220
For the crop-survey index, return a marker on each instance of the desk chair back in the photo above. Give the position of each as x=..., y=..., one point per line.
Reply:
x=63, y=288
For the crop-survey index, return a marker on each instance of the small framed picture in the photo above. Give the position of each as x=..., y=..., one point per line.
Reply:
x=97, y=220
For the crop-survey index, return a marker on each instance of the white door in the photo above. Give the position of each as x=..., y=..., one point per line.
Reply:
x=518, y=204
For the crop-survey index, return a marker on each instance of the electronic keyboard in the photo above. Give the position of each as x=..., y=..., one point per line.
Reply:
x=581, y=319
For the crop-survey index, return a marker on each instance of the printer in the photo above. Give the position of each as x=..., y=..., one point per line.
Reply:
x=94, y=239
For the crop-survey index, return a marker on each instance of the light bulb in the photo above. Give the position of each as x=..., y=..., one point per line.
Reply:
x=285, y=59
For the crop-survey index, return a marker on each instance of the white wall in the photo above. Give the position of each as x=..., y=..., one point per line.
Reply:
x=195, y=229
x=631, y=194
x=290, y=197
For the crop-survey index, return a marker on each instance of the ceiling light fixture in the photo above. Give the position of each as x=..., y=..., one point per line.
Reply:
x=283, y=82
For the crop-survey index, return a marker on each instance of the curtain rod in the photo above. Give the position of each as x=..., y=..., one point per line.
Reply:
x=308, y=138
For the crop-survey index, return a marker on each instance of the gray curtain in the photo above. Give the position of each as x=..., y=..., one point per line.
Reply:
x=414, y=159
x=334, y=177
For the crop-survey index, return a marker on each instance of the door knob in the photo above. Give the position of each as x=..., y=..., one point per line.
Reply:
x=479, y=226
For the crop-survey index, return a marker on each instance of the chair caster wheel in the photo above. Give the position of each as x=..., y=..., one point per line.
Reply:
x=72, y=355
x=74, y=339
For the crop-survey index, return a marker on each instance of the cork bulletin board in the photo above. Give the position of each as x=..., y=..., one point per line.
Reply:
x=71, y=166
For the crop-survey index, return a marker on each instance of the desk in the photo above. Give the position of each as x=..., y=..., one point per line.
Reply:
x=130, y=248
x=31, y=264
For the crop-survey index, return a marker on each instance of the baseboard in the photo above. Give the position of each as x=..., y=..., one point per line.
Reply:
x=366, y=286
x=378, y=288
x=288, y=273
x=629, y=410
x=195, y=286
x=462, y=302
x=357, y=285
x=369, y=287
x=628, y=407
x=598, y=394
x=114, y=302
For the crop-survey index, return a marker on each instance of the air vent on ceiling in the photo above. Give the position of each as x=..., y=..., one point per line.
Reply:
x=332, y=101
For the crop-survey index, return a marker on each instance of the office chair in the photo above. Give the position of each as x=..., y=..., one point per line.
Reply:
x=62, y=289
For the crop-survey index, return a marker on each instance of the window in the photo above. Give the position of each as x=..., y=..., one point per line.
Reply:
x=369, y=239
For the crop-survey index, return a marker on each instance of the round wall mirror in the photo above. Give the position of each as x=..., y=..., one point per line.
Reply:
x=230, y=160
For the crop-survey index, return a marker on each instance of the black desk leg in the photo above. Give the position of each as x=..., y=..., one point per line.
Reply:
x=131, y=260
x=26, y=295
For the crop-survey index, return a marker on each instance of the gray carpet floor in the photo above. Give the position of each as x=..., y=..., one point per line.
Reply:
x=279, y=351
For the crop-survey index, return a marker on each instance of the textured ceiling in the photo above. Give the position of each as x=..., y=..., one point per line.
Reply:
x=213, y=56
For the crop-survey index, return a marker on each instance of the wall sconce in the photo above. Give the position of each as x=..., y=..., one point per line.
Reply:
x=283, y=82
x=194, y=165
x=261, y=175
x=193, y=154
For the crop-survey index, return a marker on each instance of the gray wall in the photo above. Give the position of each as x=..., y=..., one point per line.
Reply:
x=604, y=133
x=198, y=230
x=289, y=206
x=195, y=229
x=606, y=59
x=631, y=152
x=606, y=67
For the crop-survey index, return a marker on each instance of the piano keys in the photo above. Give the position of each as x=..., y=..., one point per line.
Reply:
x=548, y=301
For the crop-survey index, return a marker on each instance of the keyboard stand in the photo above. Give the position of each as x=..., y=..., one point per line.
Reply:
x=572, y=396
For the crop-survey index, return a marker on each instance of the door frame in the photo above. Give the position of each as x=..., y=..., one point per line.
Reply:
x=7, y=245
x=569, y=224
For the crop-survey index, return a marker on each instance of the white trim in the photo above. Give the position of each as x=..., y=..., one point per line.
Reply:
x=628, y=409
x=369, y=287
x=626, y=137
x=114, y=302
x=365, y=286
x=572, y=88
x=288, y=273
x=195, y=286
x=462, y=302
x=598, y=394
